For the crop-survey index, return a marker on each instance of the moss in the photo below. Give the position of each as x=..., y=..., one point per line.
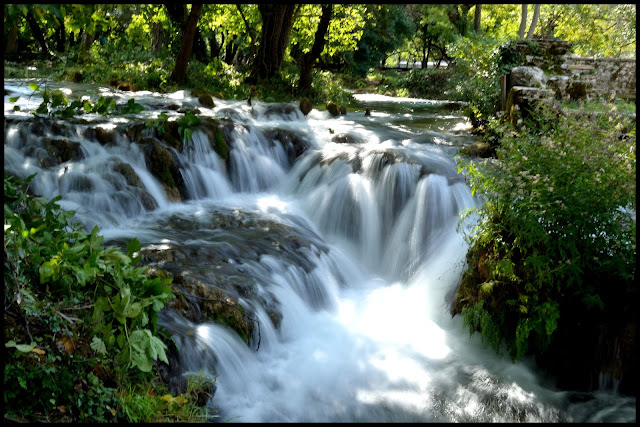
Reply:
x=129, y=174
x=221, y=147
x=198, y=301
x=160, y=162
x=332, y=108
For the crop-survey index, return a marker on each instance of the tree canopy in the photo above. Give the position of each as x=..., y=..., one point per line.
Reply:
x=358, y=37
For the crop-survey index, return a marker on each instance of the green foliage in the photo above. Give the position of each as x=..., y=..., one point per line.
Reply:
x=146, y=405
x=325, y=88
x=158, y=124
x=132, y=107
x=428, y=83
x=548, y=233
x=185, y=123
x=475, y=77
x=55, y=271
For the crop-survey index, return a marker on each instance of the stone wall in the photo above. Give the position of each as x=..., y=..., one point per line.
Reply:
x=543, y=68
x=605, y=76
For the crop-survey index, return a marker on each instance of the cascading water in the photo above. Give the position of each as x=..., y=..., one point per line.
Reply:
x=353, y=246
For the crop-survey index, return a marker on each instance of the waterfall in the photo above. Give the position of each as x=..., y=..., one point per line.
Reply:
x=342, y=257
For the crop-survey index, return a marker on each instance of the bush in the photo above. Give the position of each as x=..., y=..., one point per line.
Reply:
x=556, y=230
x=80, y=318
x=475, y=74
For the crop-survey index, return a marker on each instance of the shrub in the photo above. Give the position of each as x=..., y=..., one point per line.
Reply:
x=556, y=229
x=73, y=309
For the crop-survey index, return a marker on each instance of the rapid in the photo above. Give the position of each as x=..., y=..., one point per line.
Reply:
x=355, y=245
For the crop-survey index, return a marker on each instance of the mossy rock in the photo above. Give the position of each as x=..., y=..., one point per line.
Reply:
x=206, y=101
x=292, y=143
x=577, y=90
x=171, y=136
x=63, y=150
x=129, y=174
x=216, y=137
x=478, y=149
x=160, y=162
x=333, y=109
x=199, y=302
x=103, y=135
x=75, y=77
x=199, y=91
x=305, y=106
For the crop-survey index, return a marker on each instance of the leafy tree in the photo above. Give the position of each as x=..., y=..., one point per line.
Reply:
x=385, y=29
x=433, y=30
x=594, y=29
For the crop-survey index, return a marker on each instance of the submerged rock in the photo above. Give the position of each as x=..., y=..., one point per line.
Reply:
x=62, y=150
x=343, y=138
x=214, y=259
x=292, y=143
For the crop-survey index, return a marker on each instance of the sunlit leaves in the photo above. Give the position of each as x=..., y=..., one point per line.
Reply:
x=46, y=256
x=547, y=231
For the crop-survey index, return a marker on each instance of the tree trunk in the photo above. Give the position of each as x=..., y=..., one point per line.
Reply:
x=37, y=34
x=277, y=21
x=11, y=46
x=523, y=22
x=309, y=58
x=476, y=18
x=534, y=21
x=61, y=36
x=426, y=59
x=156, y=36
x=214, y=46
x=182, y=61
x=85, y=42
x=230, y=50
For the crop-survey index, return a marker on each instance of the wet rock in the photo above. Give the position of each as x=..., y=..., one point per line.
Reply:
x=279, y=111
x=63, y=150
x=129, y=174
x=343, y=138
x=332, y=108
x=216, y=136
x=211, y=277
x=206, y=101
x=161, y=163
x=76, y=77
x=147, y=200
x=293, y=144
x=185, y=110
x=478, y=149
x=125, y=86
x=343, y=110
x=103, y=135
x=305, y=106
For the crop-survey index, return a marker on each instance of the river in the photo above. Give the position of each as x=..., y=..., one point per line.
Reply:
x=354, y=244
